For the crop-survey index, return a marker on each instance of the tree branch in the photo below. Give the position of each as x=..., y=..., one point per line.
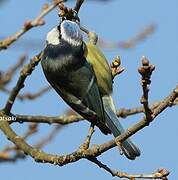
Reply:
x=67, y=119
x=38, y=21
x=146, y=72
x=84, y=151
x=49, y=137
x=26, y=71
x=92, y=152
x=130, y=43
x=29, y=96
x=7, y=77
x=167, y=102
x=63, y=120
x=159, y=174
x=6, y=157
x=86, y=143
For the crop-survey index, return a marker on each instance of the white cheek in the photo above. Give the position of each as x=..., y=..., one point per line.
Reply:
x=53, y=37
x=53, y=41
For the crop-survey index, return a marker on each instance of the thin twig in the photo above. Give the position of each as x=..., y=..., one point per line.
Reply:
x=124, y=113
x=32, y=129
x=49, y=137
x=155, y=112
x=132, y=42
x=38, y=21
x=26, y=71
x=29, y=96
x=146, y=72
x=63, y=120
x=7, y=77
x=86, y=143
x=159, y=174
x=5, y=155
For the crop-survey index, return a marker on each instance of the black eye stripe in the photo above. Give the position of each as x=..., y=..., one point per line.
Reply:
x=59, y=29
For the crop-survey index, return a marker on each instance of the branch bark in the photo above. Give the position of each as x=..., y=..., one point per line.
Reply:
x=94, y=151
x=26, y=71
x=38, y=21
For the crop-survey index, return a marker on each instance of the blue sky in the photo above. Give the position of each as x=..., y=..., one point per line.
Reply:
x=117, y=20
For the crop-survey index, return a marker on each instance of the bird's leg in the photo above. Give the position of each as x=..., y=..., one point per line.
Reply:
x=115, y=67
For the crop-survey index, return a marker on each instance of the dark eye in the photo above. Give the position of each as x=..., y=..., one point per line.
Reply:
x=75, y=15
x=64, y=18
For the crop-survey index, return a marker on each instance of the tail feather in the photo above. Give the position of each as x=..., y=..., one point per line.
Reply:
x=130, y=150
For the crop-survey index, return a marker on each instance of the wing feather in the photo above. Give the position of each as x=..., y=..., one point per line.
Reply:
x=81, y=93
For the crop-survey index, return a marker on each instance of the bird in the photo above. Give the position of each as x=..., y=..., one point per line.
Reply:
x=80, y=74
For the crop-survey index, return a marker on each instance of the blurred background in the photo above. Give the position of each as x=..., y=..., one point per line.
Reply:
x=114, y=21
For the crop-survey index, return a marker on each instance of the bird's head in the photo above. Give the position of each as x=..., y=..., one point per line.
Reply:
x=68, y=31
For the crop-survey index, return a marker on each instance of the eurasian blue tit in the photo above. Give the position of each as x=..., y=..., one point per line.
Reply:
x=80, y=74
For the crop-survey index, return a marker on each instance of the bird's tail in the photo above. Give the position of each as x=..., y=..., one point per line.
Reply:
x=130, y=150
